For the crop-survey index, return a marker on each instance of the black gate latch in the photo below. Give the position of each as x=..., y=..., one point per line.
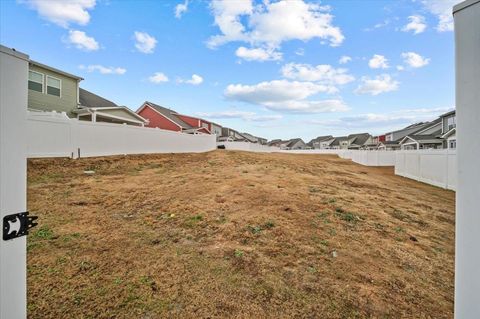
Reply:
x=17, y=225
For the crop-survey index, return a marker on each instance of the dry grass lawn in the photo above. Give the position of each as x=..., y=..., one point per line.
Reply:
x=236, y=235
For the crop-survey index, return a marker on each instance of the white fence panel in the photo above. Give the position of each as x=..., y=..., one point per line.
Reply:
x=57, y=136
x=249, y=147
x=435, y=167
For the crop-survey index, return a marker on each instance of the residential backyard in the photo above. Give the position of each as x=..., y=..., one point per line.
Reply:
x=236, y=235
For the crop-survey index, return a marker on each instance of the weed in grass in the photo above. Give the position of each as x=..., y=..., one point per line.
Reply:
x=238, y=253
x=43, y=233
x=117, y=281
x=324, y=242
x=399, y=229
x=196, y=218
x=255, y=229
x=269, y=224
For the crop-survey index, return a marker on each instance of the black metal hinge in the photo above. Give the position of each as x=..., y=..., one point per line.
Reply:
x=17, y=225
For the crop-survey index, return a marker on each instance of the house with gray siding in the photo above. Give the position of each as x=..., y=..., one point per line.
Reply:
x=51, y=89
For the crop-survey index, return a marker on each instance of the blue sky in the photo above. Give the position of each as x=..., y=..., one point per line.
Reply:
x=277, y=69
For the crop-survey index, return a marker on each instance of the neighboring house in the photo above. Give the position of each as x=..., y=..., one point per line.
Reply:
x=399, y=134
x=232, y=135
x=340, y=142
x=449, y=130
x=254, y=139
x=50, y=89
x=215, y=129
x=294, y=144
x=275, y=143
x=321, y=142
x=359, y=141
x=167, y=119
x=428, y=137
x=196, y=122
x=388, y=145
x=98, y=109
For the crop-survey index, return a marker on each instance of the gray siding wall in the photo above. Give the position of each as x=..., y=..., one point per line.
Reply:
x=67, y=101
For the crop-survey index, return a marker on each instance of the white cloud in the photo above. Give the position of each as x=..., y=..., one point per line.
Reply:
x=322, y=73
x=82, y=41
x=63, y=13
x=144, y=42
x=258, y=54
x=378, y=62
x=274, y=91
x=400, y=68
x=344, y=59
x=247, y=116
x=287, y=96
x=158, y=78
x=307, y=106
x=271, y=23
x=180, y=9
x=380, y=84
x=414, y=60
x=194, y=80
x=103, y=69
x=416, y=24
x=443, y=11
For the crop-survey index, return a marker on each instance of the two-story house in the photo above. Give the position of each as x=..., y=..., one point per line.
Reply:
x=449, y=130
x=51, y=89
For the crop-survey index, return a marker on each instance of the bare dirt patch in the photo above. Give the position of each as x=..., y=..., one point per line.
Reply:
x=239, y=235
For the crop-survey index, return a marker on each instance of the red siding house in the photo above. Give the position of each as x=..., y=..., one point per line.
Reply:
x=168, y=119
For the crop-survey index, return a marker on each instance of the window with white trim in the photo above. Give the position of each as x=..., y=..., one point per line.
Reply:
x=54, y=86
x=35, y=81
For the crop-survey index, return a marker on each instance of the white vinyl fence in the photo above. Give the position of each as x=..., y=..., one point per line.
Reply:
x=55, y=135
x=250, y=147
x=435, y=167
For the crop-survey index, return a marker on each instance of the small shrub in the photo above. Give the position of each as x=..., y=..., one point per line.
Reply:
x=269, y=224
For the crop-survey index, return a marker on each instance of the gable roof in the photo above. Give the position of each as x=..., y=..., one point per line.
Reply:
x=293, y=141
x=431, y=138
x=90, y=99
x=169, y=114
x=320, y=139
x=359, y=139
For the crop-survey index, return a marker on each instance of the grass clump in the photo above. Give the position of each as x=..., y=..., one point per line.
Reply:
x=346, y=216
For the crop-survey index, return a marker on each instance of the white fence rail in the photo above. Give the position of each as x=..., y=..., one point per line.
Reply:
x=250, y=147
x=58, y=136
x=435, y=167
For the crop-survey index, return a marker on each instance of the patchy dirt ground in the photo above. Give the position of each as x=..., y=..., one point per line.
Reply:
x=237, y=235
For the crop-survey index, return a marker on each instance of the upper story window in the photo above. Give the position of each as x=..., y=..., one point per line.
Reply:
x=35, y=81
x=53, y=86
x=451, y=122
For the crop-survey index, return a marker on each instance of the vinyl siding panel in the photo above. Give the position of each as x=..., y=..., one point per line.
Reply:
x=67, y=102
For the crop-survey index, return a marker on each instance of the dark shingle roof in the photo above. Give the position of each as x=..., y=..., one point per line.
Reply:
x=90, y=99
x=170, y=114
x=359, y=139
x=319, y=139
x=293, y=141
